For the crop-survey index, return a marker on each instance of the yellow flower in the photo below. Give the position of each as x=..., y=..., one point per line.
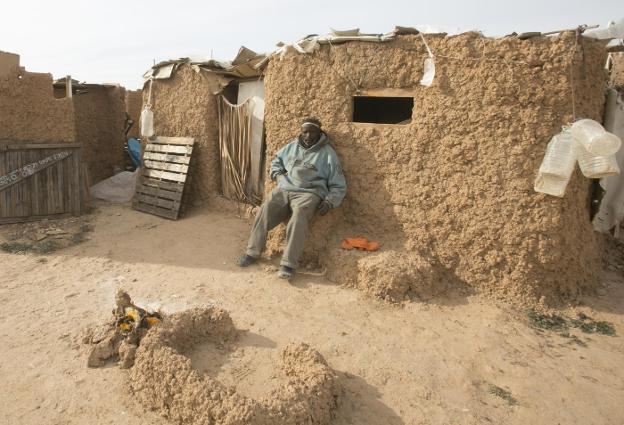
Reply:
x=151, y=321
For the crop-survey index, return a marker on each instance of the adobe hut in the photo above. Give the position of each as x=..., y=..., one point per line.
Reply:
x=443, y=175
x=184, y=97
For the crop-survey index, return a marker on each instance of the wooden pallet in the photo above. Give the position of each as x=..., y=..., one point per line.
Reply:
x=163, y=175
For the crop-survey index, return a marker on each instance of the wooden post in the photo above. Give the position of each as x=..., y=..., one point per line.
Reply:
x=68, y=86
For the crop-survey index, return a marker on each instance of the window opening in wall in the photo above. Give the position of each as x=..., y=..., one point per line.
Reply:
x=382, y=110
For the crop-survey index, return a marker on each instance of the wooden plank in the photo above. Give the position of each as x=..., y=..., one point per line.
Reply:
x=9, y=145
x=60, y=185
x=50, y=190
x=161, y=193
x=85, y=184
x=76, y=176
x=12, y=193
x=158, y=202
x=36, y=142
x=41, y=181
x=4, y=204
x=10, y=220
x=387, y=92
x=169, y=149
x=25, y=189
x=68, y=190
x=162, y=212
x=164, y=175
x=178, y=159
x=20, y=173
x=34, y=180
x=163, y=140
x=159, y=165
x=15, y=198
x=176, y=187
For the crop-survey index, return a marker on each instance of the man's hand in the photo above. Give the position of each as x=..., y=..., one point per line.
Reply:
x=324, y=207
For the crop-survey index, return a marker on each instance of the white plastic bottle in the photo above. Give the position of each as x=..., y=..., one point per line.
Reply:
x=551, y=185
x=594, y=138
x=147, y=122
x=557, y=166
x=560, y=157
x=596, y=166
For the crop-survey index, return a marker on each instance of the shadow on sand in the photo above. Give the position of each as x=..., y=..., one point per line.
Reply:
x=361, y=404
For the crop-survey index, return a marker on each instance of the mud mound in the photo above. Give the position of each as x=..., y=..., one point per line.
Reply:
x=389, y=275
x=247, y=364
x=392, y=275
x=163, y=378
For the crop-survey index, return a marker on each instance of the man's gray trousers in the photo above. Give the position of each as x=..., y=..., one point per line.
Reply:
x=276, y=209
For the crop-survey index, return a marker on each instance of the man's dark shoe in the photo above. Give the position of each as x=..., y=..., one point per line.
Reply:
x=286, y=272
x=245, y=260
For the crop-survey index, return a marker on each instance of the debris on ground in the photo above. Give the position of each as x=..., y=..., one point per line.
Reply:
x=504, y=394
x=359, y=243
x=551, y=322
x=554, y=322
x=121, y=336
x=45, y=236
x=590, y=326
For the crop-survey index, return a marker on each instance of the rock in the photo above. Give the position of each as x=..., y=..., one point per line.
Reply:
x=100, y=353
x=127, y=353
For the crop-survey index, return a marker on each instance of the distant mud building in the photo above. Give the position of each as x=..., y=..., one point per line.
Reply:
x=67, y=138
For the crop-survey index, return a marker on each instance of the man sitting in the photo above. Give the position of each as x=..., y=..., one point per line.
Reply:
x=309, y=180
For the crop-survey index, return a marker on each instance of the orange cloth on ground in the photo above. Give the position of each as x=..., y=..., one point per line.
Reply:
x=359, y=243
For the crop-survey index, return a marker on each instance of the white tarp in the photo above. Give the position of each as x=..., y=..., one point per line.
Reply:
x=611, y=210
x=116, y=189
x=161, y=73
x=612, y=30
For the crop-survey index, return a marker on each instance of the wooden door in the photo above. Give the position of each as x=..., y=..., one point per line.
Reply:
x=40, y=180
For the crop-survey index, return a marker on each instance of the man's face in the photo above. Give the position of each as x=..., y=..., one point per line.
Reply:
x=310, y=134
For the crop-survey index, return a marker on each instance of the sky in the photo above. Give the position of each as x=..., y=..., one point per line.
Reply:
x=116, y=41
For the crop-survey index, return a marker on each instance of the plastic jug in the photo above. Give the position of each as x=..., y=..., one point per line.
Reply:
x=550, y=184
x=594, y=138
x=147, y=122
x=596, y=166
x=560, y=157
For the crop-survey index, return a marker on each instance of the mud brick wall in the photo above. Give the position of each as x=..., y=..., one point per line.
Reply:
x=454, y=187
x=617, y=70
x=134, y=100
x=100, y=117
x=28, y=109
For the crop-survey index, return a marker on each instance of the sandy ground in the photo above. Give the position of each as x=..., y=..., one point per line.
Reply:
x=433, y=363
